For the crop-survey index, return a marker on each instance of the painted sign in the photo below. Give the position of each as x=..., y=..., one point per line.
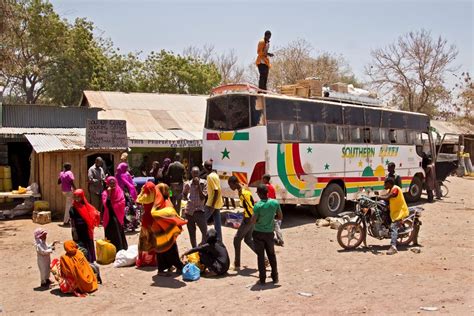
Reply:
x=106, y=134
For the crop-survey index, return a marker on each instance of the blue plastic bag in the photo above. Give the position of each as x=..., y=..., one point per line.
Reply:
x=191, y=272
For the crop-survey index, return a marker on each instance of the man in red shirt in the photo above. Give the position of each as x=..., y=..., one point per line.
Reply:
x=272, y=195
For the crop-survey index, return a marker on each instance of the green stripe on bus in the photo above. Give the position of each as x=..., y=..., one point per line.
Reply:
x=241, y=136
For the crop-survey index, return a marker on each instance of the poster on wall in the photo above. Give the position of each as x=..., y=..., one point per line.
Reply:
x=106, y=134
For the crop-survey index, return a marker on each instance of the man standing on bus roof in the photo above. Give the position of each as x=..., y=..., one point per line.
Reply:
x=263, y=62
x=391, y=174
x=214, y=198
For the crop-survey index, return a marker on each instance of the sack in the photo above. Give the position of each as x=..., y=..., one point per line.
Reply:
x=105, y=251
x=191, y=272
x=126, y=258
x=146, y=258
x=194, y=258
x=234, y=219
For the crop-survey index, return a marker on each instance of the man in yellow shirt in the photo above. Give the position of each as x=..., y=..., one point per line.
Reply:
x=263, y=62
x=214, y=198
x=246, y=227
x=398, y=211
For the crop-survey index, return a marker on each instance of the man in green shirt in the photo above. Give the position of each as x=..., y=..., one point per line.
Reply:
x=264, y=213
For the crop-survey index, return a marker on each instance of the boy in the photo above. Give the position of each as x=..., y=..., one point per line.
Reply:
x=272, y=195
x=264, y=219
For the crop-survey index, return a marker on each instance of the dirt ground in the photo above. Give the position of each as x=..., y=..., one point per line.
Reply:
x=365, y=281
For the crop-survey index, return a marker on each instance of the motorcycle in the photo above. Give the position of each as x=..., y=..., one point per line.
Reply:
x=373, y=217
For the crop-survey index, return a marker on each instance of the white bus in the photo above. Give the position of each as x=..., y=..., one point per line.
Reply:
x=318, y=151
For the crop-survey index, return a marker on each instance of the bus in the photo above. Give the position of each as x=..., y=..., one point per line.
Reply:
x=318, y=152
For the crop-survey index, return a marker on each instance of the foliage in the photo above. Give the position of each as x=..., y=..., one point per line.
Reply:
x=410, y=72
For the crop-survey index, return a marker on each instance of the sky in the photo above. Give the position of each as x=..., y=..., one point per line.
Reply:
x=342, y=27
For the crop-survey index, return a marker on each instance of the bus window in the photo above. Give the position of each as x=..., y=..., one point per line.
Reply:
x=280, y=109
x=256, y=108
x=332, y=114
x=274, y=132
x=331, y=134
x=304, y=133
x=418, y=139
x=319, y=134
x=367, y=138
x=354, y=116
x=384, y=136
x=401, y=136
x=356, y=135
x=289, y=131
x=372, y=117
x=375, y=135
x=228, y=112
x=392, y=136
x=411, y=137
x=343, y=134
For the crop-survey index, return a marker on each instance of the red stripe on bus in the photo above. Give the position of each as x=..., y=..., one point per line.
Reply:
x=297, y=161
x=212, y=136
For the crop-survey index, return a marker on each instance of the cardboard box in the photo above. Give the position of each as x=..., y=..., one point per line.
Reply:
x=43, y=218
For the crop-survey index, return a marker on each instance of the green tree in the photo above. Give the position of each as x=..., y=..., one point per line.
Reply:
x=170, y=73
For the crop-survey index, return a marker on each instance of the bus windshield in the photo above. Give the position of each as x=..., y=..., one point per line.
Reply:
x=232, y=112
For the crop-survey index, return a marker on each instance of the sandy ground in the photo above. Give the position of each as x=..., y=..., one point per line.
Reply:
x=359, y=282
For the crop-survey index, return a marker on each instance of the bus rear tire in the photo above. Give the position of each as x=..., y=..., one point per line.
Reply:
x=332, y=201
x=414, y=191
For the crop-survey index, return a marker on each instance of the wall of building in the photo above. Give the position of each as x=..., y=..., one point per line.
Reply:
x=46, y=171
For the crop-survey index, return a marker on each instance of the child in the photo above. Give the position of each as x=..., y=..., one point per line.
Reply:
x=43, y=250
x=272, y=195
x=213, y=254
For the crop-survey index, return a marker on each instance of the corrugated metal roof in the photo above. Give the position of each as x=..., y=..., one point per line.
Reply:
x=18, y=131
x=151, y=112
x=50, y=143
x=47, y=116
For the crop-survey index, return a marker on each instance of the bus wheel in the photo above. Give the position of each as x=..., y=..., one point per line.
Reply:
x=332, y=201
x=414, y=192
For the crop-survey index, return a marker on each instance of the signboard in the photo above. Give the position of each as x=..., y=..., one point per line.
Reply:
x=106, y=134
x=165, y=143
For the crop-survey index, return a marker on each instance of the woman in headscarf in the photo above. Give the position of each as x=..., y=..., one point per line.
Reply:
x=167, y=226
x=84, y=218
x=76, y=271
x=146, y=243
x=113, y=200
x=125, y=182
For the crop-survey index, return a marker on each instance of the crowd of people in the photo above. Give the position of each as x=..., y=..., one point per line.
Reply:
x=113, y=203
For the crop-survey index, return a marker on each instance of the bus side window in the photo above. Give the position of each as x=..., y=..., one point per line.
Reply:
x=411, y=137
x=356, y=135
x=384, y=135
x=304, y=133
x=401, y=136
x=289, y=131
x=331, y=134
x=375, y=135
x=274, y=131
x=319, y=133
x=392, y=136
x=343, y=134
x=367, y=135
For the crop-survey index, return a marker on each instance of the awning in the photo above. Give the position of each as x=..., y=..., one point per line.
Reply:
x=50, y=143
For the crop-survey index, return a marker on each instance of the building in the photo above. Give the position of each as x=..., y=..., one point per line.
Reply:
x=35, y=141
x=158, y=125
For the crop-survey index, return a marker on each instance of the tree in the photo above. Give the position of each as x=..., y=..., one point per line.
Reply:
x=297, y=61
x=411, y=71
x=226, y=63
x=464, y=97
x=170, y=73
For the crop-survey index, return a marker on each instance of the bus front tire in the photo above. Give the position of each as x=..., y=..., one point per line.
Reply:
x=332, y=201
x=415, y=189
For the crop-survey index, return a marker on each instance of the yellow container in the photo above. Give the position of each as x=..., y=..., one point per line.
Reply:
x=7, y=185
x=7, y=172
x=41, y=206
x=105, y=251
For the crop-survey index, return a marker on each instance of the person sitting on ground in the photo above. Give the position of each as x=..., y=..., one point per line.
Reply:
x=398, y=211
x=213, y=254
x=76, y=270
x=391, y=173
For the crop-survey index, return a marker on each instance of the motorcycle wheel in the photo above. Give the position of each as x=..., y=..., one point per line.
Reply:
x=406, y=239
x=350, y=235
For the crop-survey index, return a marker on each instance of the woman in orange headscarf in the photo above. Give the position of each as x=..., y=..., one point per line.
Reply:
x=146, y=242
x=167, y=226
x=76, y=271
x=84, y=218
